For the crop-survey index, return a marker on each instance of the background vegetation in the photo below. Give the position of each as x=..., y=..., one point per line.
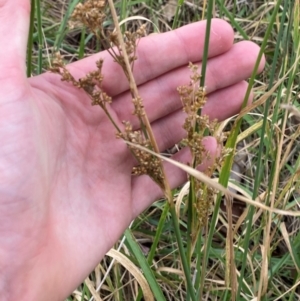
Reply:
x=243, y=253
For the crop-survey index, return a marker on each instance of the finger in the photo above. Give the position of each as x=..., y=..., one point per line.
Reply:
x=233, y=66
x=160, y=95
x=226, y=102
x=14, y=20
x=145, y=191
x=158, y=54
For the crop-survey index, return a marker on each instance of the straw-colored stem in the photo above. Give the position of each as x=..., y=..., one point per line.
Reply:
x=135, y=94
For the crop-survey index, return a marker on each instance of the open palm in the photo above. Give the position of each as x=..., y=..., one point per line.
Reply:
x=66, y=190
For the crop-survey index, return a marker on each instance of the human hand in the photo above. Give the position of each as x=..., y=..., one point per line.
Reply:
x=66, y=190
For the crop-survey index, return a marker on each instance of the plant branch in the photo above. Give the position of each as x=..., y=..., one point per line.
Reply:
x=135, y=94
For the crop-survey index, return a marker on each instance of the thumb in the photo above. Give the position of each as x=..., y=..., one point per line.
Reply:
x=14, y=21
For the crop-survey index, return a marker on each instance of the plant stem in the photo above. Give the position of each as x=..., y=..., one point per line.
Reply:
x=183, y=257
x=30, y=39
x=135, y=94
x=40, y=37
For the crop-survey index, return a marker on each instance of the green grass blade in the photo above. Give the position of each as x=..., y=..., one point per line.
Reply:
x=40, y=37
x=158, y=233
x=206, y=42
x=156, y=240
x=199, y=284
x=123, y=14
x=82, y=44
x=62, y=29
x=136, y=251
x=30, y=39
x=232, y=20
x=176, y=17
x=187, y=273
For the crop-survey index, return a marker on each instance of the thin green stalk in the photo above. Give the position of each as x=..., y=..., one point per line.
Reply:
x=206, y=41
x=232, y=20
x=190, y=224
x=62, y=29
x=82, y=43
x=158, y=233
x=63, y=46
x=40, y=37
x=123, y=14
x=30, y=39
x=209, y=16
x=98, y=46
x=156, y=239
x=200, y=267
x=45, y=30
x=294, y=293
x=190, y=288
x=148, y=273
x=118, y=282
x=85, y=293
x=192, y=195
x=191, y=219
x=176, y=17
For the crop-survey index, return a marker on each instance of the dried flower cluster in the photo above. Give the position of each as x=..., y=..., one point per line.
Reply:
x=197, y=126
x=131, y=40
x=148, y=164
x=91, y=83
x=91, y=14
x=203, y=206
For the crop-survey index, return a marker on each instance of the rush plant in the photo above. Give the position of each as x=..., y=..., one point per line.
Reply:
x=201, y=242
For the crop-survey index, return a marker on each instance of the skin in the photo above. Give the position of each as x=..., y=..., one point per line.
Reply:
x=66, y=191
